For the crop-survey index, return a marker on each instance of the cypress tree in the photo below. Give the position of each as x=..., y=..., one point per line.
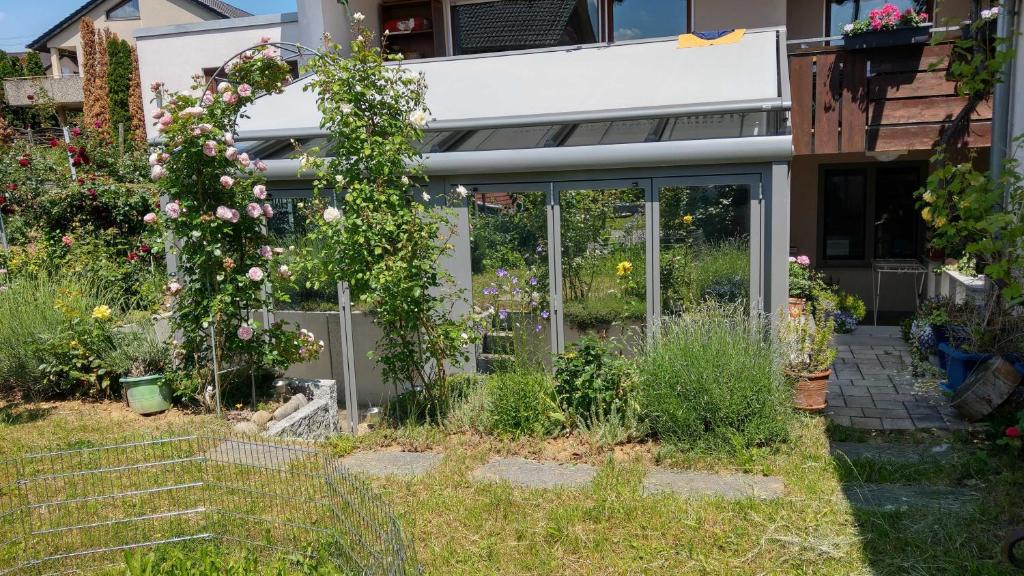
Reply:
x=87, y=69
x=101, y=119
x=33, y=65
x=119, y=78
x=135, y=102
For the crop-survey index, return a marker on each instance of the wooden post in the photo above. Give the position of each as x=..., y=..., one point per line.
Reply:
x=120, y=138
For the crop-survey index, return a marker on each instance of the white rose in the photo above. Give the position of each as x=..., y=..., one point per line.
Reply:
x=331, y=214
x=461, y=191
x=358, y=17
x=418, y=118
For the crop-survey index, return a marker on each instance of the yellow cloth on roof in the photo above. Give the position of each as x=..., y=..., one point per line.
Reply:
x=693, y=41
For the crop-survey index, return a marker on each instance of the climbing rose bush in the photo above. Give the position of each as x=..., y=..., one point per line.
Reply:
x=216, y=211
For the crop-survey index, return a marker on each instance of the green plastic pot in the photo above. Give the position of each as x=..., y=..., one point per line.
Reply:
x=147, y=394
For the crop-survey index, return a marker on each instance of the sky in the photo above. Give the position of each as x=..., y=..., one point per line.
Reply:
x=22, y=21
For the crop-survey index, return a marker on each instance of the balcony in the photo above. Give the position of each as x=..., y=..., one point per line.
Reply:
x=875, y=100
x=65, y=92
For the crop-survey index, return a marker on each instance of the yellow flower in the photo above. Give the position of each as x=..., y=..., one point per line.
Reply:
x=940, y=221
x=624, y=268
x=926, y=214
x=101, y=312
x=929, y=197
x=688, y=219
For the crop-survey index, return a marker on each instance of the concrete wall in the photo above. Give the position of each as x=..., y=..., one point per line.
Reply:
x=718, y=14
x=174, y=54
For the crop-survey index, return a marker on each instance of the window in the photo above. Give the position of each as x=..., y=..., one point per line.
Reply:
x=128, y=10
x=843, y=12
x=886, y=193
x=501, y=25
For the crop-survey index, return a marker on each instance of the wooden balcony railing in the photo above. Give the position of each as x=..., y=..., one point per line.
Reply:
x=877, y=100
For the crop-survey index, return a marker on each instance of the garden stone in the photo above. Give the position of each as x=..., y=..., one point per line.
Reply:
x=893, y=497
x=246, y=428
x=292, y=406
x=893, y=452
x=533, y=474
x=314, y=419
x=261, y=418
x=728, y=486
x=392, y=463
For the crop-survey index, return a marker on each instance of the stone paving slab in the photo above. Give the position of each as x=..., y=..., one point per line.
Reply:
x=533, y=474
x=260, y=454
x=894, y=497
x=903, y=453
x=730, y=486
x=392, y=463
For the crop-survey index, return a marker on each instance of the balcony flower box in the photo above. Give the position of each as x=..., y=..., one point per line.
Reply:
x=901, y=36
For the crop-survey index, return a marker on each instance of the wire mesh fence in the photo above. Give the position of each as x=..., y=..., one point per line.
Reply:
x=82, y=510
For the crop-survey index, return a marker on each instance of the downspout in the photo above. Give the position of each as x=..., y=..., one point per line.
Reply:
x=1001, y=101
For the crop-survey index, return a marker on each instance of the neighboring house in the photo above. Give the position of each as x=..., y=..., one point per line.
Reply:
x=60, y=46
x=552, y=91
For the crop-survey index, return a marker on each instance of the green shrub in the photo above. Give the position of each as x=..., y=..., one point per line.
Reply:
x=852, y=305
x=712, y=381
x=592, y=380
x=521, y=404
x=413, y=406
x=603, y=310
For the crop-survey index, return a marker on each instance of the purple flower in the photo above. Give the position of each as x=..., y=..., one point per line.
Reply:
x=545, y=314
x=266, y=251
x=502, y=272
x=503, y=314
x=515, y=280
x=538, y=328
x=516, y=291
x=533, y=280
x=540, y=248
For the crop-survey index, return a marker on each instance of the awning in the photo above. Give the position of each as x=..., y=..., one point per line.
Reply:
x=645, y=103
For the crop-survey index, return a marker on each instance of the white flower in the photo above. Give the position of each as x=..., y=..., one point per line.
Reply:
x=461, y=191
x=196, y=234
x=304, y=161
x=426, y=197
x=157, y=172
x=346, y=108
x=848, y=28
x=223, y=87
x=405, y=180
x=339, y=179
x=418, y=118
x=986, y=14
x=331, y=214
x=465, y=336
x=358, y=17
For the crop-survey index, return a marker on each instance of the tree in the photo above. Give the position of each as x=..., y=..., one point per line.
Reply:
x=101, y=93
x=135, y=102
x=32, y=65
x=87, y=68
x=119, y=78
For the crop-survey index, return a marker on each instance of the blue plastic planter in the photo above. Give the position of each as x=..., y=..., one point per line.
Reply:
x=941, y=335
x=960, y=365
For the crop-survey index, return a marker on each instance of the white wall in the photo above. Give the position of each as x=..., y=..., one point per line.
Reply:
x=173, y=58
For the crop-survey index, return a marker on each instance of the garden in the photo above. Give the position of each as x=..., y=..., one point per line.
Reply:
x=91, y=320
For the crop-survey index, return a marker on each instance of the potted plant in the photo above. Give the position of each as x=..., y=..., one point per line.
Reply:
x=809, y=357
x=141, y=360
x=801, y=282
x=887, y=26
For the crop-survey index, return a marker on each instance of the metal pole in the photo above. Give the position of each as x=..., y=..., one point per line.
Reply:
x=348, y=369
x=1001, y=101
x=3, y=236
x=71, y=163
x=216, y=364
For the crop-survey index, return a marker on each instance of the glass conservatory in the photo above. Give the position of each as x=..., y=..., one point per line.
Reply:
x=609, y=186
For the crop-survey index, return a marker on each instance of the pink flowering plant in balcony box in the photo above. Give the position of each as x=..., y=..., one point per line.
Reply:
x=886, y=18
x=216, y=211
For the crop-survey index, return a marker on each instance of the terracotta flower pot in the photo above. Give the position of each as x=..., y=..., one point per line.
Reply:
x=797, y=307
x=811, y=391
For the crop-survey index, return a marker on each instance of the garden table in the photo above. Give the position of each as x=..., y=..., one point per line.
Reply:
x=896, y=266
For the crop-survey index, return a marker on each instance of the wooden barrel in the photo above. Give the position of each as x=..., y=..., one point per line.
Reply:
x=988, y=386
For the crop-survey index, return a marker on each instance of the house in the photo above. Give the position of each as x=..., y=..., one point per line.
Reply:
x=778, y=140
x=60, y=46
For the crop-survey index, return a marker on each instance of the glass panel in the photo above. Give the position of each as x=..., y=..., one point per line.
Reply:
x=633, y=19
x=844, y=214
x=717, y=126
x=127, y=11
x=704, y=236
x=622, y=132
x=502, y=25
x=604, y=276
x=508, y=138
x=511, y=286
x=843, y=12
x=897, y=222
x=284, y=229
x=432, y=141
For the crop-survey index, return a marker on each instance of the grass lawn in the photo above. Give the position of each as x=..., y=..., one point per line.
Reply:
x=465, y=527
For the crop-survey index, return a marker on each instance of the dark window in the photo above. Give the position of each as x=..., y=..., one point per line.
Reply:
x=128, y=10
x=634, y=19
x=894, y=228
x=843, y=12
x=845, y=208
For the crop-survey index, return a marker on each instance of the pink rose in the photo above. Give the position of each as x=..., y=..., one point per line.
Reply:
x=253, y=210
x=255, y=274
x=67, y=240
x=231, y=153
x=259, y=191
x=264, y=39
x=210, y=148
x=244, y=90
x=154, y=159
x=149, y=218
x=207, y=98
x=227, y=181
x=157, y=172
x=234, y=216
x=223, y=87
x=268, y=211
x=166, y=120
x=261, y=166
x=174, y=287
x=245, y=332
x=230, y=97
x=223, y=213
x=265, y=251
x=204, y=128
x=229, y=139
x=173, y=210
x=76, y=131
x=243, y=159
x=158, y=113
x=803, y=260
